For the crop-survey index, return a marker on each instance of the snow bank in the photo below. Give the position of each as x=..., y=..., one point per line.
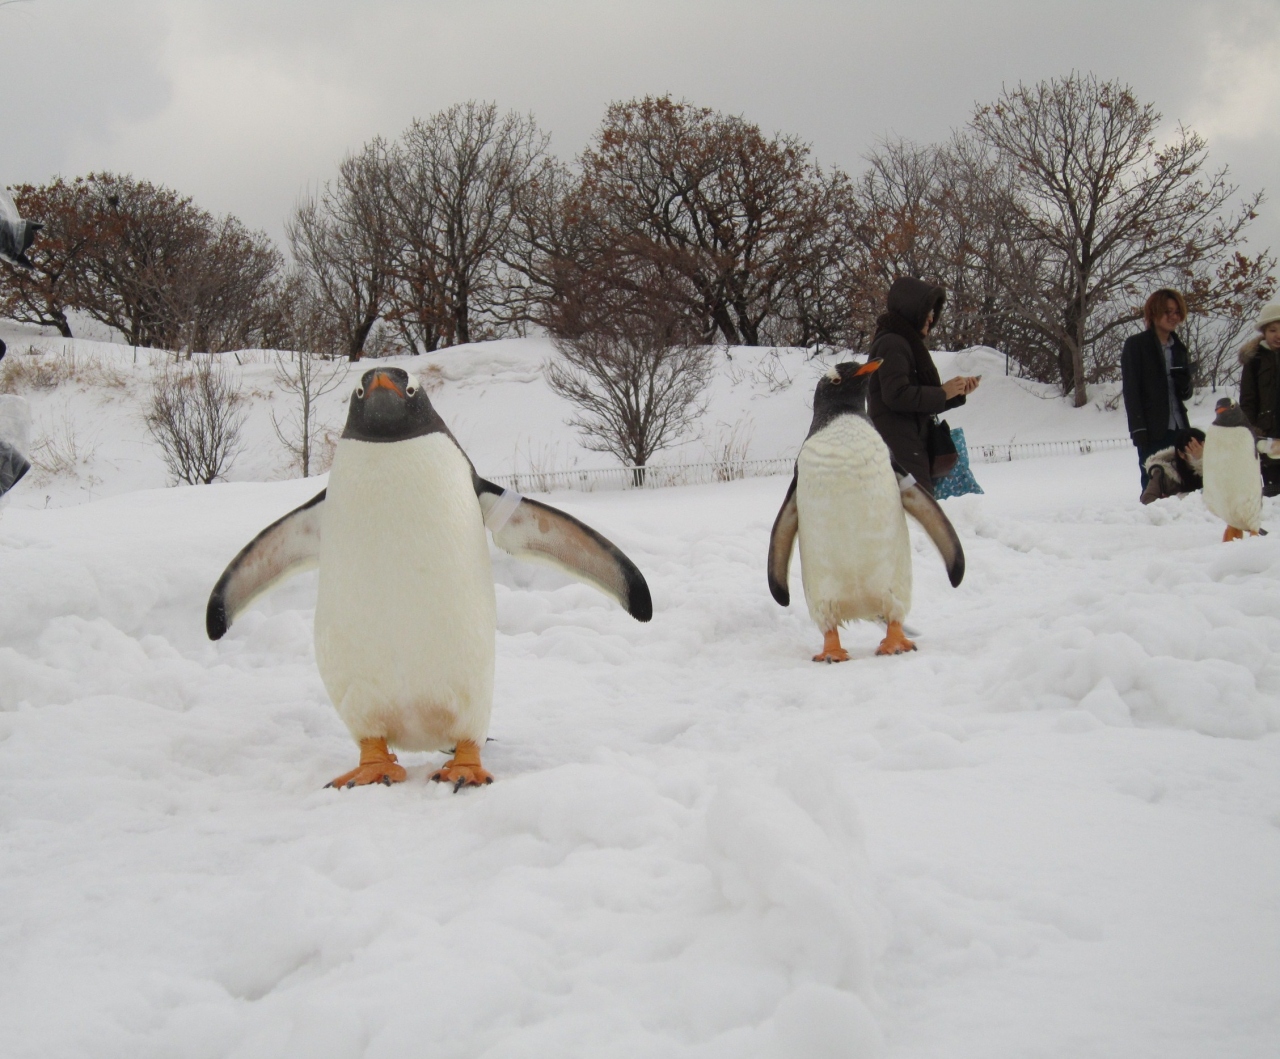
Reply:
x=92, y=441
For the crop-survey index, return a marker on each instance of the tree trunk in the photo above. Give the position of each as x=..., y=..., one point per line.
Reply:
x=1077, y=353
x=461, y=323
x=355, y=347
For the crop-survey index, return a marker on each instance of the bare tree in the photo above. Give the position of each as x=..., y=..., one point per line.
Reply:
x=342, y=240
x=308, y=377
x=1101, y=212
x=455, y=185
x=44, y=293
x=143, y=260
x=704, y=206
x=1222, y=306
x=636, y=378
x=227, y=302
x=196, y=416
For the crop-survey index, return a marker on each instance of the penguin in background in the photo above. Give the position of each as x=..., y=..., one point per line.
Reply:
x=847, y=504
x=406, y=615
x=1232, y=478
x=16, y=235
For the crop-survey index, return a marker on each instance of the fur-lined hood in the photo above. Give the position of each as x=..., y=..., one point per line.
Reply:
x=1167, y=460
x=1250, y=349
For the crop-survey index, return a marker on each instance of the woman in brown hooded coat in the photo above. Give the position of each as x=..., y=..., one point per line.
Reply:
x=906, y=392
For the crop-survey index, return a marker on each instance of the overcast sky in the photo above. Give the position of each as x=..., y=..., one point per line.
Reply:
x=244, y=104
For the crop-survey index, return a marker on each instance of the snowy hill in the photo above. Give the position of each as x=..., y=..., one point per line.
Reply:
x=1052, y=831
x=90, y=405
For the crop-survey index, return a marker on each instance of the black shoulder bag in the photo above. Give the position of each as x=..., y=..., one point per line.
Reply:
x=942, y=449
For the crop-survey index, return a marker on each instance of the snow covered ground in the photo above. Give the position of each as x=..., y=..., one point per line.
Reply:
x=1053, y=831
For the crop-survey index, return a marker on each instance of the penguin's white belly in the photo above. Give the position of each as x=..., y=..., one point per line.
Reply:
x=1232, y=481
x=855, y=551
x=406, y=615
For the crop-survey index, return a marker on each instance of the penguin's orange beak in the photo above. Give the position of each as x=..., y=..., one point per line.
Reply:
x=869, y=367
x=383, y=381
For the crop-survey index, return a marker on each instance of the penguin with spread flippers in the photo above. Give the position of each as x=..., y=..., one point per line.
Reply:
x=848, y=505
x=1232, y=478
x=405, y=615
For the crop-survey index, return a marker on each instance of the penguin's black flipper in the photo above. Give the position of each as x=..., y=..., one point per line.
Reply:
x=925, y=510
x=533, y=531
x=288, y=546
x=781, y=544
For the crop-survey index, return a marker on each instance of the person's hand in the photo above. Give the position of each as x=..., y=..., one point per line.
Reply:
x=959, y=386
x=1195, y=448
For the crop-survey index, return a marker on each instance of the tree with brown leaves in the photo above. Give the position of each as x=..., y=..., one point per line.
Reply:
x=1102, y=212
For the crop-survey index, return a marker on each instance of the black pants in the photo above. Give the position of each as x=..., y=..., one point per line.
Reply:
x=1145, y=452
x=1270, y=476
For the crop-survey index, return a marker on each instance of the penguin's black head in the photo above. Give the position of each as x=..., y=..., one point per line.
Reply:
x=390, y=405
x=842, y=391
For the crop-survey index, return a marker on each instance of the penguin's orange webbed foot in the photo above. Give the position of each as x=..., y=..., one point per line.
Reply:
x=377, y=765
x=463, y=769
x=831, y=649
x=895, y=641
x=1232, y=534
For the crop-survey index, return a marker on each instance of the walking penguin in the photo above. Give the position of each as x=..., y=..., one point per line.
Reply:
x=406, y=614
x=1232, y=478
x=848, y=505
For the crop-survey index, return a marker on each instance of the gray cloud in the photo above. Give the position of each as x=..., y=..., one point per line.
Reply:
x=244, y=104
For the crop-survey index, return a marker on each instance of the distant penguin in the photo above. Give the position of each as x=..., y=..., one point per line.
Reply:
x=848, y=505
x=405, y=615
x=16, y=235
x=1232, y=479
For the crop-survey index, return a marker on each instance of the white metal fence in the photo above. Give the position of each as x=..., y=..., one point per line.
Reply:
x=659, y=476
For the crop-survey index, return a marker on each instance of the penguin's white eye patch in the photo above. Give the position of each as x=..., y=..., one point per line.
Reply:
x=359, y=391
x=412, y=388
x=833, y=376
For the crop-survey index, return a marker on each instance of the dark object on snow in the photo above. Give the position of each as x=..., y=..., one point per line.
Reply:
x=961, y=479
x=906, y=393
x=3, y=349
x=15, y=233
x=1172, y=471
x=13, y=465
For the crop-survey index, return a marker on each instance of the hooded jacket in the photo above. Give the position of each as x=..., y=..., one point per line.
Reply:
x=1260, y=387
x=907, y=391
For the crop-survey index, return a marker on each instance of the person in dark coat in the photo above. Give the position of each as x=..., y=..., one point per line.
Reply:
x=1155, y=370
x=1260, y=389
x=906, y=392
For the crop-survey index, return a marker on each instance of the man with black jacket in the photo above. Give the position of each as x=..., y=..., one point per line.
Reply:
x=1156, y=372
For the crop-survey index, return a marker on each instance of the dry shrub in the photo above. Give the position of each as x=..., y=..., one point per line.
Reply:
x=103, y=375
x=307, y=378
x=35, y=370
x=61, y=451
x=196, y=417
x=729, y=452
